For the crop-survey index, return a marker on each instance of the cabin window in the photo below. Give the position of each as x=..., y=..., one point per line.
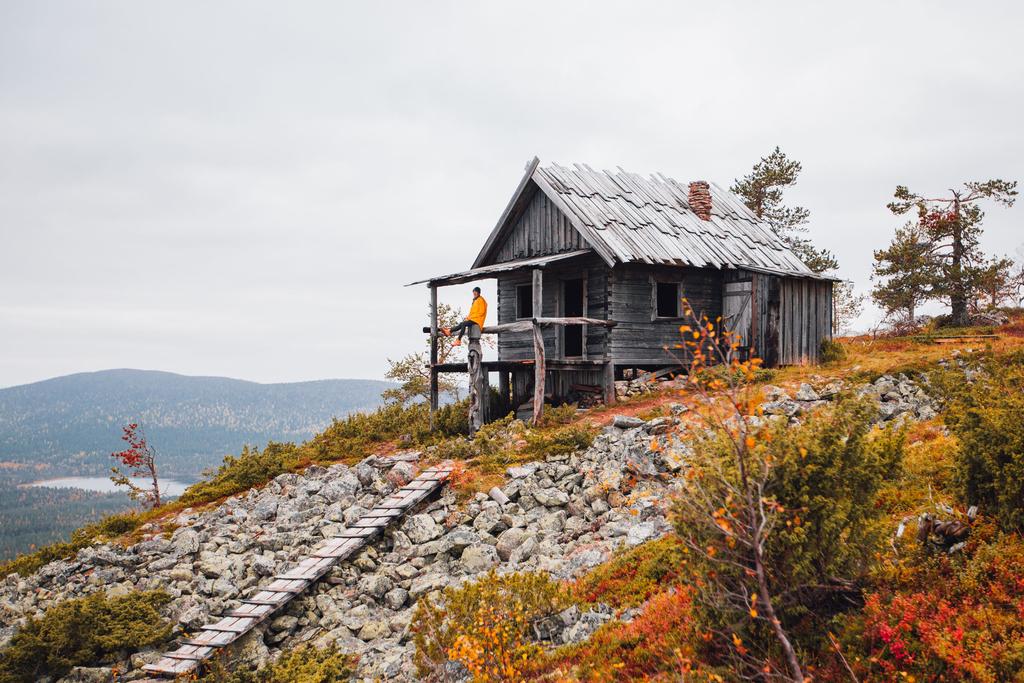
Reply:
x=524, y=301
x=666, y=299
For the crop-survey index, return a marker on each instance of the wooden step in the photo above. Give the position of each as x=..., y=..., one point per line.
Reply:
x=266, y=600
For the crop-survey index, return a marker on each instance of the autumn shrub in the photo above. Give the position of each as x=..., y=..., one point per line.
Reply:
x=83, y=632
x=304, y=664
x=928, y=472
x=452, y=419
x=943, y=617
x=825, y=476
x=657, y=645
x=832, y=351
x=559, y=441
x=724, y=373
x=240, y=473
x=354, y=436
x=485, y=625
x=559, y=415
x=828, y=473
x=634, y=575
x=985, y=416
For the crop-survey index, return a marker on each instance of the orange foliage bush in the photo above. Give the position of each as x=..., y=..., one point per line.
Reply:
x=947, y=619
x=657, y=645
x=633, y=576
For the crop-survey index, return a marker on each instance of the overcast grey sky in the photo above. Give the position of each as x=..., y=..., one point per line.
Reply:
x=243, y=189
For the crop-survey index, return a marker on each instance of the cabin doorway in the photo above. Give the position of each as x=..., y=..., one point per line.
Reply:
x=573, y=306
x=737, y=310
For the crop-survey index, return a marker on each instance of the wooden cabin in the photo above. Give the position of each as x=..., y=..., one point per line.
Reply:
x=601, y=262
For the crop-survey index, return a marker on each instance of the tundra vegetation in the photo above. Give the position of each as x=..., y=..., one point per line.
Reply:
x=83, y=632
x=795, y=552
x=808, y=537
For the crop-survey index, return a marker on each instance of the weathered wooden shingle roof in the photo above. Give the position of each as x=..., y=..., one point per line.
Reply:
x=628, y=218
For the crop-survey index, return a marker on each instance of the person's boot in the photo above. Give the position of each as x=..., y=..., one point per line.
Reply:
x=457, y=342
x=446, y=331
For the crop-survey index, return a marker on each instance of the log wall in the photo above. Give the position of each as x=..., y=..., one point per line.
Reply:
x=519, y=345
x=640, y=338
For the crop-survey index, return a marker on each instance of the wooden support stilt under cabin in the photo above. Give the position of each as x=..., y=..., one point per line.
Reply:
x=479, y=382
x=608, y=383
x=477, y=397
x=504, y=381
x=433, y=355
x=538, y=373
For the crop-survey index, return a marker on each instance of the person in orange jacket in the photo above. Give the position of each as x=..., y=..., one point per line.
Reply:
x=477, y=315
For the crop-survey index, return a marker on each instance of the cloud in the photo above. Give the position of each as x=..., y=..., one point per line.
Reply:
x=244, y=188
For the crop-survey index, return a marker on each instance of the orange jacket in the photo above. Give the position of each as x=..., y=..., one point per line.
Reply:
x=478, y=311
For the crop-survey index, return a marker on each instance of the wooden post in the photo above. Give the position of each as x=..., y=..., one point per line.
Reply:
x=474, y=358
x=433, y=354
x=538, y=368
x=503, y=390
x=608, y=383
x=538, y=293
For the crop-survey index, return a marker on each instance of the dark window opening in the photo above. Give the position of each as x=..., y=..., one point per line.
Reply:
x=668, y=299
x=524, y=301
x=572, y=307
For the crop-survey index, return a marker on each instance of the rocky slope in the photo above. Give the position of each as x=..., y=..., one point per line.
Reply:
x=562, y=515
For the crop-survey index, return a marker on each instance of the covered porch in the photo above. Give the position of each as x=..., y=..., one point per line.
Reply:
x=519, y=380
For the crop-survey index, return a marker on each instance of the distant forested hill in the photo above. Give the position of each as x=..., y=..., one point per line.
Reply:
x=70, y=425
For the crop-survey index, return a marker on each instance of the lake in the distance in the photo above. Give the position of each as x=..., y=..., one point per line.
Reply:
x=168, y=487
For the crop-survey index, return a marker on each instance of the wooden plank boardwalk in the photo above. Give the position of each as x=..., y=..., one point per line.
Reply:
x=291, y=583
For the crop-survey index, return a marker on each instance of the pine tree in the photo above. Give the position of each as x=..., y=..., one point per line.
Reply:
x=413, y=370
x=904, y=274
x=952, y=228
x=762, y=190
x=846, y=305
x=997, y=282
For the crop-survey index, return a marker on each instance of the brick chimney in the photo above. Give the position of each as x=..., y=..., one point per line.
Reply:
x=700, y=199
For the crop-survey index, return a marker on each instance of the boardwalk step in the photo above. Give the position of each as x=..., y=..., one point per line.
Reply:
x=192, y=656
x=285, y=586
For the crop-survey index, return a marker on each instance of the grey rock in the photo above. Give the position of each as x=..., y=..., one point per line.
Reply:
x=553, y=522
x=457, y=539
x=214, y=566
x=374, y=629
x=489, y=521
x=375, y=584
x=345, y=485
x=265, y=510
x=787, y=407
x=641, y=533
x=401, y=474
x=626, y=422
x=807, y=393
x=658, y=425
x=422, y=528
x=521, y=471
x=551, y=497
x=479, y=558
x=585, y=627
x=427, y=583
x=284, y=623
x=508, y=541
x=524, y=551
x=396, y=598
x=185, y=541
